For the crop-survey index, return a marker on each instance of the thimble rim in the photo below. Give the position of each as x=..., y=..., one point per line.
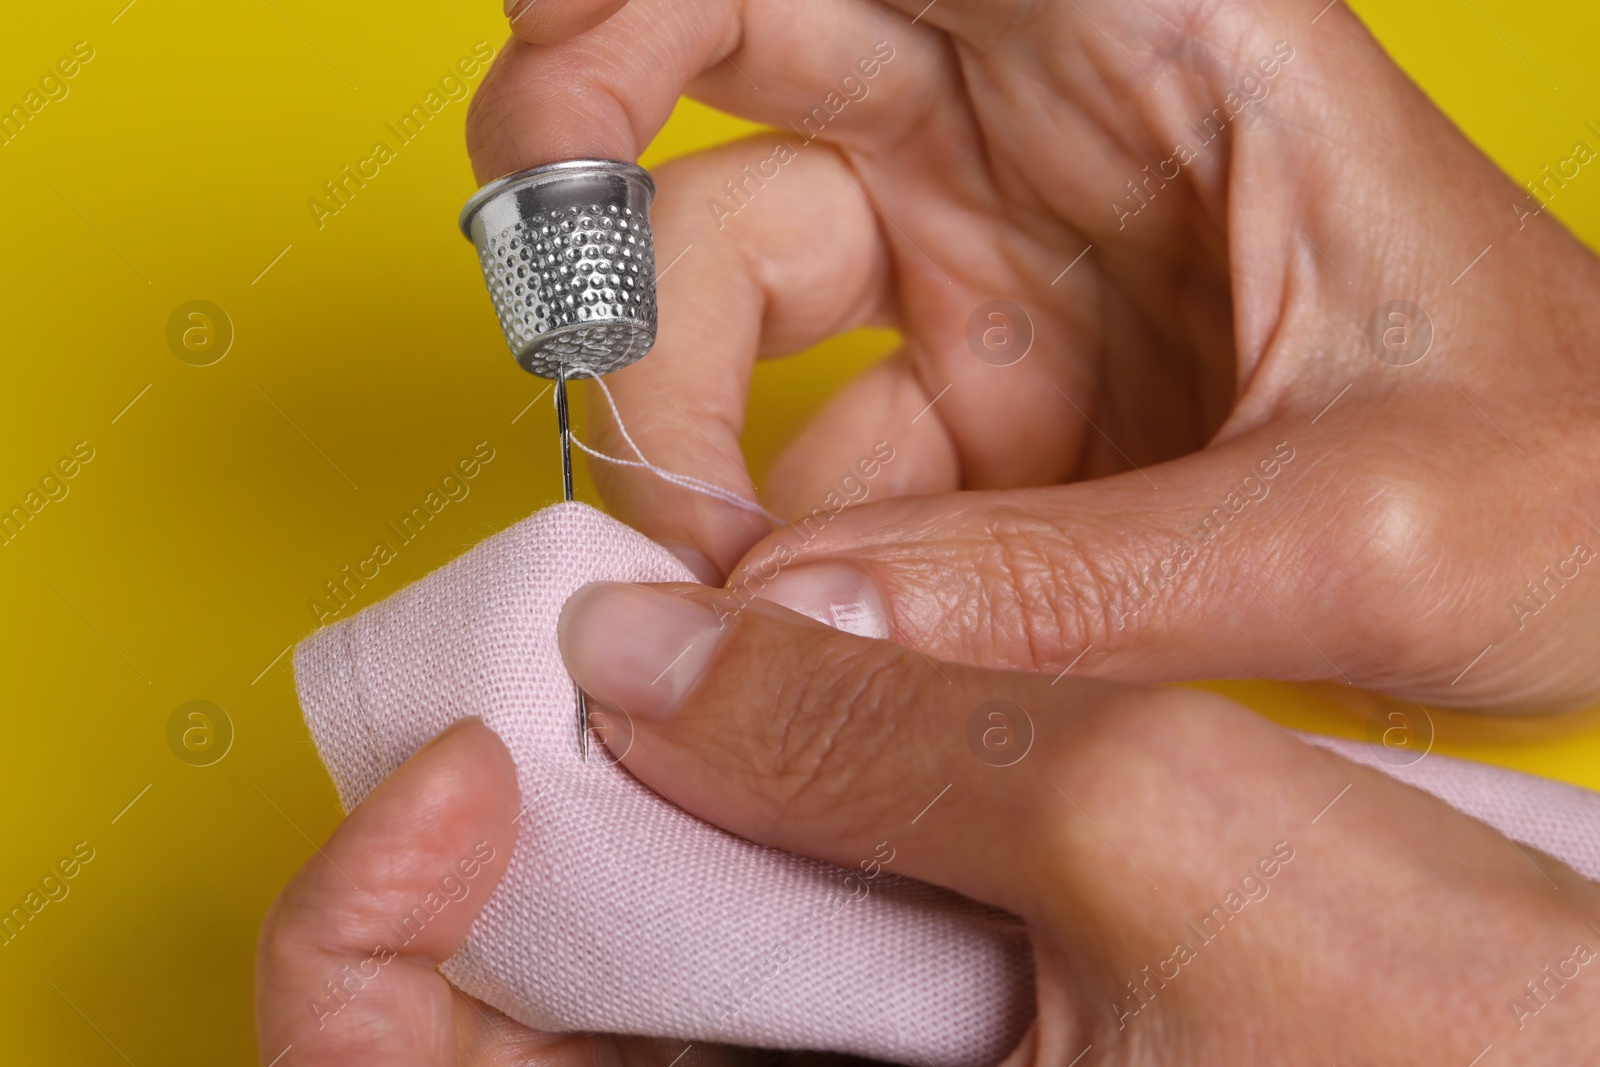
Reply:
x=549, y=172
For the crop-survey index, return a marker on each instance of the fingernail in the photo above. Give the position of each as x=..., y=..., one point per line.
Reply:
x=698, y=562
x=835, y=594
x=448, y=731
x=637, y=649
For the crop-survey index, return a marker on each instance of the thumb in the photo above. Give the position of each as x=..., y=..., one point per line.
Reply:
x=346, y=969
x=1139, y=827
x=806, y=738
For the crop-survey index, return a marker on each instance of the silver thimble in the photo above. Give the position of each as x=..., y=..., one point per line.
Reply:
x=570, y=263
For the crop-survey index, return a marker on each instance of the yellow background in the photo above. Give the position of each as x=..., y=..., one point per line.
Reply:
x=180, y=565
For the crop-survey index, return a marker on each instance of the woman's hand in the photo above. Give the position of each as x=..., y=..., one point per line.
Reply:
x=336, y=986
x=1200, y=887
x=1353, y=364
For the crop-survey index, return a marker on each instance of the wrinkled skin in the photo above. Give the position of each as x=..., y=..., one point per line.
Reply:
x=1197, y=335
x=1220, y=327
x=1391, y=930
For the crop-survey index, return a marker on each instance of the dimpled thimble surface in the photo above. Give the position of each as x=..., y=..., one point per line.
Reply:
x=568, y=255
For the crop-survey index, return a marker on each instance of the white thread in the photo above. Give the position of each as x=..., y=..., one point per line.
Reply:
x=683, y=481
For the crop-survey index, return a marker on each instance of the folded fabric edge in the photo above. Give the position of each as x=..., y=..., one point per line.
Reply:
x=331, y=694
x=334, y=713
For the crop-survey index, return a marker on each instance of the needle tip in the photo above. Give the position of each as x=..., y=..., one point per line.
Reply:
x=583, y=726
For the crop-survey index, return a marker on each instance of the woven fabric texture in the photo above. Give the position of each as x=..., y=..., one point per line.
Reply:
x=621, y=913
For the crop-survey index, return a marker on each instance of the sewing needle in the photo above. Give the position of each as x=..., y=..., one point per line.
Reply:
x=564, y=425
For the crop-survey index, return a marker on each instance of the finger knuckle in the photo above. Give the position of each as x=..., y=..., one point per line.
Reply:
x=1384, y=525
x=1382, y=546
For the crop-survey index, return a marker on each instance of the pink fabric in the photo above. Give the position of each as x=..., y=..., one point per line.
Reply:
x=620, y=913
